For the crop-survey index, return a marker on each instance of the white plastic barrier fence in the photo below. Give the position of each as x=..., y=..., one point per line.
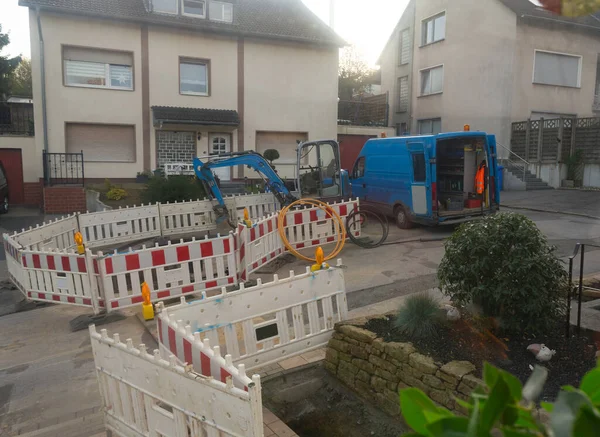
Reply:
x=120, y=225
x=146, y=396
x=185, y=217
x=57, y=234
x=312, y=226
x=61, y=277
x=258, y=245
x=258, y=205
x=169, y=271
x=179, y=168
x=12, y=249
x=258, y=325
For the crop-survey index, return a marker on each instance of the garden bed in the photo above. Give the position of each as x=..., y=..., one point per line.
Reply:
x=462, y=341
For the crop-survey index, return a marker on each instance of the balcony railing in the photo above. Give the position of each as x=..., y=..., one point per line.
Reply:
x=360, y=113
x=596, y=104
x=16, y=119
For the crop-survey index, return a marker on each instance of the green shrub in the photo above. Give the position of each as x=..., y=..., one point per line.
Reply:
x=419, y=317
x=504, y=264
x=172, y=189
x=116, y=194
x=503, y=407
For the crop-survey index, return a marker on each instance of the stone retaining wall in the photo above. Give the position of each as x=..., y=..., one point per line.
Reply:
x=377, y=370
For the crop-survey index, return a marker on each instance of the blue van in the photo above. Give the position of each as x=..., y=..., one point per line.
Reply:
x=428, y=179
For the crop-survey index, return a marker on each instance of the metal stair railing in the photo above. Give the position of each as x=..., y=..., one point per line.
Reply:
x=515, y=161
x=579, y=247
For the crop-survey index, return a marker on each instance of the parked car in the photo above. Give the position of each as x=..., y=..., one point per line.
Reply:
x=428, y=179
x=3, y=190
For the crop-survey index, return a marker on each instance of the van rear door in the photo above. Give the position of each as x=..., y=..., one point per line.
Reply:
x=493, y=170
x=420, y=179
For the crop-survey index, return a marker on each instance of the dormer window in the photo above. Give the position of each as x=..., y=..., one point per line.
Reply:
x=194, y=8
x=220, y=11
x=165, y=6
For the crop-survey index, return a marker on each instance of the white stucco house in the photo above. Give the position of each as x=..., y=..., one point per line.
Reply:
x=135, y=84
x=488, y=63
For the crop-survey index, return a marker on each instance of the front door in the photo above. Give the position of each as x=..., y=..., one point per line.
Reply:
x=13, y=165
x=220, y=144
x=420, y=180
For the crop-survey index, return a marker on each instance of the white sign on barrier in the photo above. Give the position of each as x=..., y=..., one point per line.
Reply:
x=120, y=225
x=262, y=324
x=146, y=396
x=169, y=271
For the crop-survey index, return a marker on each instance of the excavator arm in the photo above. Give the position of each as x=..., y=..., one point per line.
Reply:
x=274, y=184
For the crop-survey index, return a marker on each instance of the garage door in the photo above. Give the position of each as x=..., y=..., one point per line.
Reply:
x=285, y=144
x=13, y=164
x=350, y=147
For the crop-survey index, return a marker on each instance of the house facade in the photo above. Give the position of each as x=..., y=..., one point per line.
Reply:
x=136, y=84
x=489, y=63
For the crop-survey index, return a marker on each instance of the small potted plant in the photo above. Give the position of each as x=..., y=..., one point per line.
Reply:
x=143, y=177
x=573, y=163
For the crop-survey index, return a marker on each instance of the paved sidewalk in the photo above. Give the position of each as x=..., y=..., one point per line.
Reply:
x=574, y=202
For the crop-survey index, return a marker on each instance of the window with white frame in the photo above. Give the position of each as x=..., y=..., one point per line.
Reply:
x=432, y=80
x=165, y=6
x=404, y=55
x=402, y=94
x=557, y=69
x=431, y=126
x=433, y=29
x=194, y=76
x=195, y=8
x=95, y=68
x=220, y=11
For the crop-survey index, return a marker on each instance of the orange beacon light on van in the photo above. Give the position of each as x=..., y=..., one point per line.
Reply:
x=467, y=128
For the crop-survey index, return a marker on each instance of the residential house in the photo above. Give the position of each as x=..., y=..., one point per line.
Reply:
x=488, y=63
x=136, y=84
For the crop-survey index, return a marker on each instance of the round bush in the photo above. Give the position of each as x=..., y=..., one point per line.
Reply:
x=504, y=264
x=172, y=189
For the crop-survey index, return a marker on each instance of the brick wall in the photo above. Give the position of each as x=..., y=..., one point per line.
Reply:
x=175, y=147
x=33, y=192
x=64, y=200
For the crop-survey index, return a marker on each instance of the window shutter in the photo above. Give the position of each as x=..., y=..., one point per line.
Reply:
x=405, y=47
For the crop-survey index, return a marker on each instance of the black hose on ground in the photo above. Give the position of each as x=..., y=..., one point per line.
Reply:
x=366, y=215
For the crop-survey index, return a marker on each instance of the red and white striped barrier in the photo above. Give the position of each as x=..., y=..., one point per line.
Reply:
x=312, y=226
x=145, y=395
x=257, y=325
x=57, y=234
x=169, y=271
x=61, y=277
x=12, y=249
x=258, y=245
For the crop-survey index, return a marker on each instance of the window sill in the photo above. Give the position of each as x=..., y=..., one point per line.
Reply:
x=558, y=86
x=432, y=43
x=428, y=95
x=195, y=94
x=93, y=87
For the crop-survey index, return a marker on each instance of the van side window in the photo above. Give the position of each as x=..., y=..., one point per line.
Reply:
x=359, y=168
x=419, y=172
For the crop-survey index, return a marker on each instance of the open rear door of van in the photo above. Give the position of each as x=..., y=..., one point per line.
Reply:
x=420, y=179
x=493, y=169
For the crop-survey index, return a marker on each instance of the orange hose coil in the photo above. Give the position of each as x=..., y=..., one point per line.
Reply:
x=339, y=225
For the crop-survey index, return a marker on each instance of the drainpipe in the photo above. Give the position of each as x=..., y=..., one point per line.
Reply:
x=43, y=74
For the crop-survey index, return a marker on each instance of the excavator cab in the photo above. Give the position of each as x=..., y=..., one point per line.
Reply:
x=319, y=172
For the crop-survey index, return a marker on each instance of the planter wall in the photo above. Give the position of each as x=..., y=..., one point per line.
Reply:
x=377, y=370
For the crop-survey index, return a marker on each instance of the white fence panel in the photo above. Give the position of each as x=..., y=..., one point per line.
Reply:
x=58, y=234
x=259, y=205
x=313, y=226
x=12, y=249
x=120, y=225
x=258, y=245
x=179, y=168
x=146, y=396
x=169, y=271
x=61, y=277
x=186, y=217
x=262, y=324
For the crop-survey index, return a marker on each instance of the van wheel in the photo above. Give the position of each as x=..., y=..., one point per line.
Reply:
x=4, y=205
x=402, y=218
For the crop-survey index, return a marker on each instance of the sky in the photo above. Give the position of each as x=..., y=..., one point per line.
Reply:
x=367, y=28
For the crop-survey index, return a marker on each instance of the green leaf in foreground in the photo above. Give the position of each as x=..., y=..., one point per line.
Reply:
x=414, y=403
